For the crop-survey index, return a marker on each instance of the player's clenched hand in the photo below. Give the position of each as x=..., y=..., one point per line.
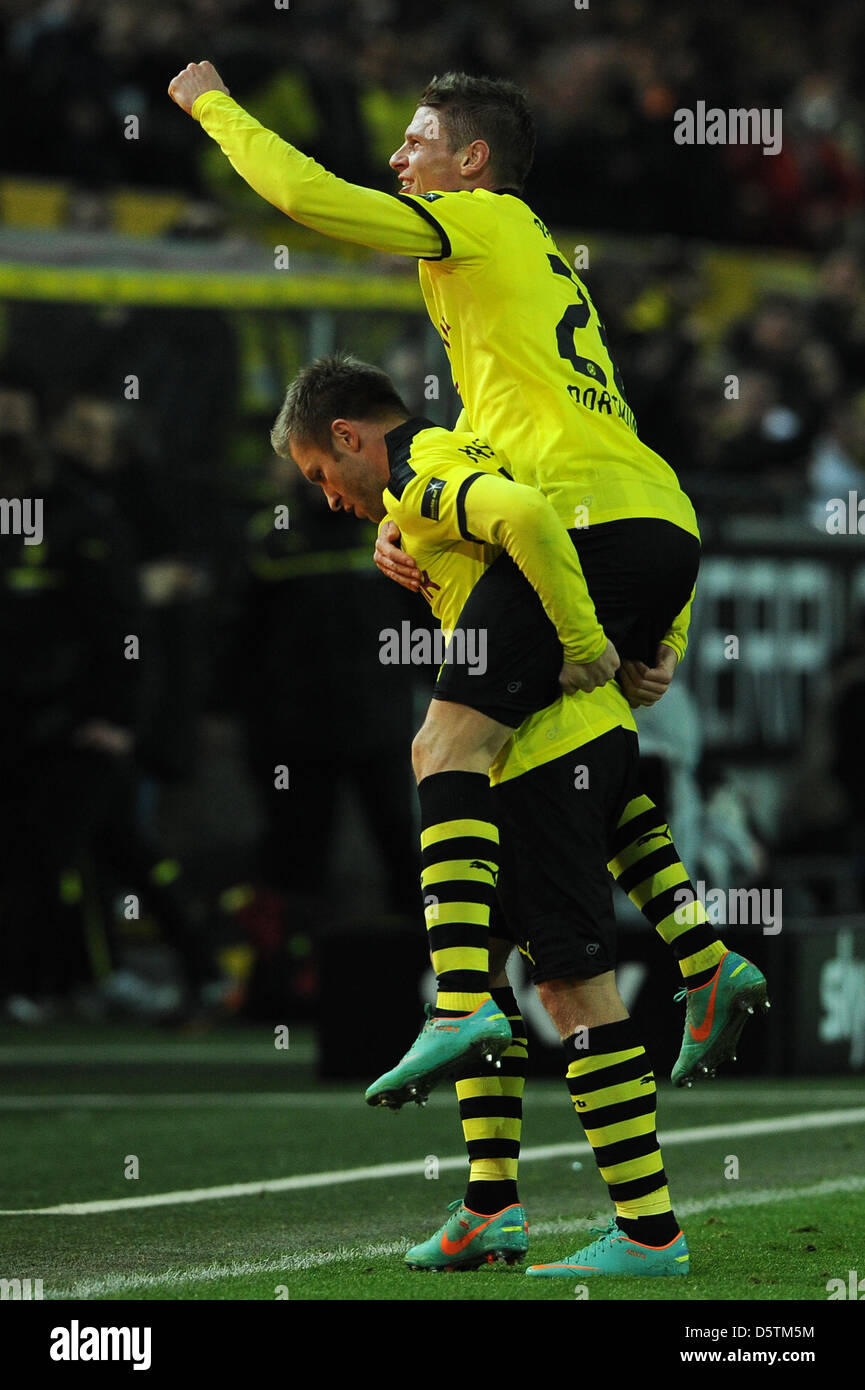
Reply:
x=195, y=79
x=394, y=562
x=644, y=685
x=589, y=675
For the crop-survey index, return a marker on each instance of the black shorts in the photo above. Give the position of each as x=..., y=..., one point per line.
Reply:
x=556, y=829
x=640, y=574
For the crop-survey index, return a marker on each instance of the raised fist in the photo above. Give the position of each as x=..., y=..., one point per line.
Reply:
x=195, y=79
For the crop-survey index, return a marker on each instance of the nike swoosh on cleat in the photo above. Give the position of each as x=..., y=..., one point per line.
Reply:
x=700, y=1034
x=453, y=1247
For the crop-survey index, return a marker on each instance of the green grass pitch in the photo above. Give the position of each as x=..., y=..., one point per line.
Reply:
x=83, y=1108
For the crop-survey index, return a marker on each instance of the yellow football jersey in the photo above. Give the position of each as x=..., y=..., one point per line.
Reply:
x=528, y=351
x=457, y=512
x=531, y=364
x=458, y=509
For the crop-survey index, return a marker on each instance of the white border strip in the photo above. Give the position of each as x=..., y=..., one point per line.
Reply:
x=780, y=1124
x=297, y=1264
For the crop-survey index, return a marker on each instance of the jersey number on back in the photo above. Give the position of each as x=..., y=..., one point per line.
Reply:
x=577, y=316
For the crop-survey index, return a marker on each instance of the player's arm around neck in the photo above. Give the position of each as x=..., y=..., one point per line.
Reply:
x=293, y=182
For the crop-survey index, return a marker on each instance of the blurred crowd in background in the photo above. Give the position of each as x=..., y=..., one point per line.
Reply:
x=140, y=788
x=604, y=82
x=140, y=652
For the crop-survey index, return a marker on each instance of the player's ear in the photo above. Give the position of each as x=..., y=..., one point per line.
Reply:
x=344, y=435
x=476, y=157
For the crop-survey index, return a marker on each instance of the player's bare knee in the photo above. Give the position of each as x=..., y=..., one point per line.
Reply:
x=550, y=992
x=435, y=749
x=456, y=738
x=421, y=749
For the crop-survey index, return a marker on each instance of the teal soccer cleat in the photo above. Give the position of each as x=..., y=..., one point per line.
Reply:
x=715, y=1015
x=468, y=1240
x=615, y=1253
x=442, y=1047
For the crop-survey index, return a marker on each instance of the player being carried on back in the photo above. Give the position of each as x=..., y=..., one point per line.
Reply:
x=542, y=866
x=530, y=360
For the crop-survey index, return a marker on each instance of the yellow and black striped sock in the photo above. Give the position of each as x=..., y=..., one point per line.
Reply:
x=491, y=1114
x=646, y=865
x=613, y=1090
x=459, y=868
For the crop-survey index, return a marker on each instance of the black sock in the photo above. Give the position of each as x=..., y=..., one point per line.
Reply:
x=650, y=1230
x=487, y=1198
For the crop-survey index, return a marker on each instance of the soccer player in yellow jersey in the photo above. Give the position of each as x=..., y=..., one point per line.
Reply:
x=546, y=854
x=530, y=360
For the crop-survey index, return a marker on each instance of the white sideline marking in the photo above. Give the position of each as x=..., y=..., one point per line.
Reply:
x=296, y=1264
x=778, y=1124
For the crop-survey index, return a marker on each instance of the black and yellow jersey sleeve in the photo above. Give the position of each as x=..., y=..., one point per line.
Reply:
x=677, y=637
x=309, y=194
x=456, y=510
x=466, y=222
x=432, y=226
x=520, y=521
